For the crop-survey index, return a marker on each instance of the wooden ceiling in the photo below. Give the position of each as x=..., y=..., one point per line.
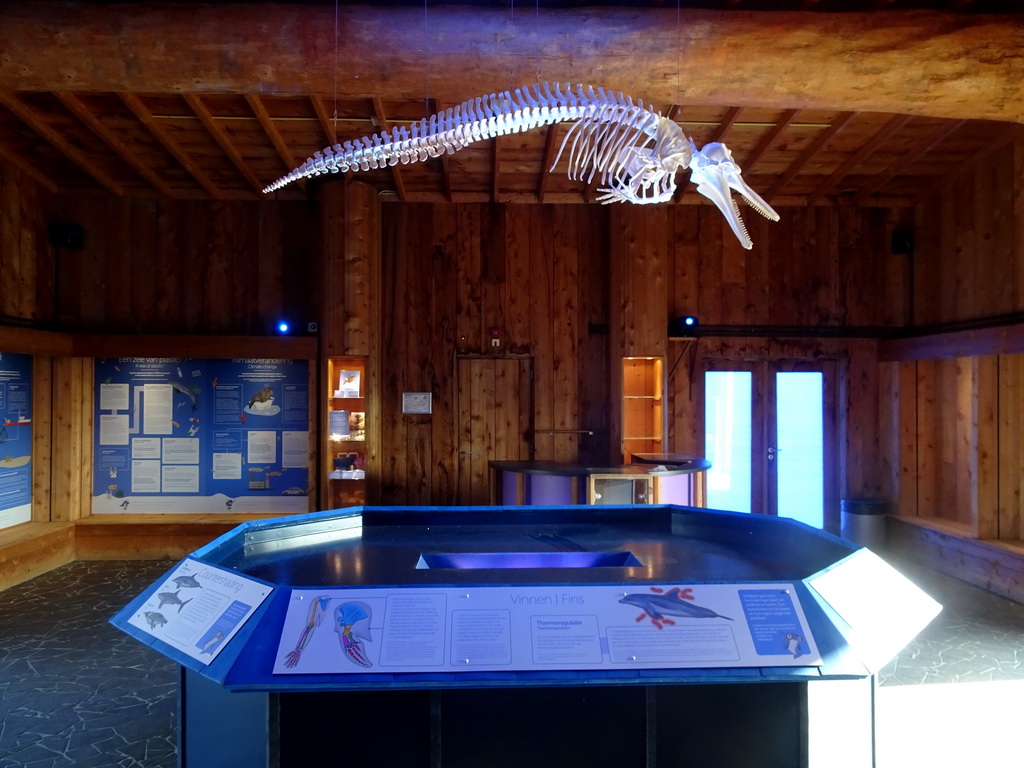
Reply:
x=146, y=135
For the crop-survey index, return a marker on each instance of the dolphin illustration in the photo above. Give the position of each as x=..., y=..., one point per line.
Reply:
x=670, y=604
x=171, y=598
x=178, y=386
x=186, y=581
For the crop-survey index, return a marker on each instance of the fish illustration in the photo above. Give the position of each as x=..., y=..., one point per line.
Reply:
x=187, y=392
x=660, y=607
x=186, y=581
x=154, y=619
x=212, y=643
x=793, y=644
x=171, y=598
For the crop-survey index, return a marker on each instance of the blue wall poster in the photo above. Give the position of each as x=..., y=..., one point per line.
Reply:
x=15, y=439
x=186, y=435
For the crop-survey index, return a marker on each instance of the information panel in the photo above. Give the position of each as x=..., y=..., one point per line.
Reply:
x=426, y=629
x=15, y=439
x=198, y=608
x=175, y=434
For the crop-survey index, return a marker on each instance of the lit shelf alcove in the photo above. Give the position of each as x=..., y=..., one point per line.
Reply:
x=643, y=411
x=345, y=454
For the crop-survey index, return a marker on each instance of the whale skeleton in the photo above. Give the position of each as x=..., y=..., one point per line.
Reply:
x=634, y=151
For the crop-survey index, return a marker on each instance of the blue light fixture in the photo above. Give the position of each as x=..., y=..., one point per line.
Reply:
x=683, y=327
x=283, y=328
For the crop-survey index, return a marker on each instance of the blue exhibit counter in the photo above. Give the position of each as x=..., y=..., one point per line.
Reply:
x=620, y=623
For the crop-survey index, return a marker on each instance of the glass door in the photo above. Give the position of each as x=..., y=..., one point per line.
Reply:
x=768, y=435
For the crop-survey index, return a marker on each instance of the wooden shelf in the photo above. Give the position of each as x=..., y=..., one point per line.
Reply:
x=643, y=413
x=344, y=492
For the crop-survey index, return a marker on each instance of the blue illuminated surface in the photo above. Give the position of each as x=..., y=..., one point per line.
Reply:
x=474, y=560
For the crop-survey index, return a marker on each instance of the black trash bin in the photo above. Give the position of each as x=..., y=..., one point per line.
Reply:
x=863, y=522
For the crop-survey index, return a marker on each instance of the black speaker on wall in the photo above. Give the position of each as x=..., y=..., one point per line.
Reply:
x=65, y=235
x=902, y=242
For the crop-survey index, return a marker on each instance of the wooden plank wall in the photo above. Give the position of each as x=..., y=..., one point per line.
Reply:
x=574, y=288
x=454, y=276
x=26, y=258
x=959, y=423
x=346, y=297
x=815, y=267
x=187, y=267
x=954, y=408
x=969, y=254
x=578, y=287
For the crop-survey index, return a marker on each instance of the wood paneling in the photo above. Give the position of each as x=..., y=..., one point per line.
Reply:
x=578, y=288
x=42, y=438
x=26, y=258
x=957, y=432
x=71, y=467
x=31, y=549
x=969, y=248
x=994, y=566
x=347, y=296
x=181, y=267
x=454, y=278
x=151, y=537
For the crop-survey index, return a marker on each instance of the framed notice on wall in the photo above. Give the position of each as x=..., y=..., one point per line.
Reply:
x=15, y=439
x=188, y=435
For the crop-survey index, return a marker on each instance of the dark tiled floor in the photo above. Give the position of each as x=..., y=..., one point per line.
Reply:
x=977, y=636
x=76, y=692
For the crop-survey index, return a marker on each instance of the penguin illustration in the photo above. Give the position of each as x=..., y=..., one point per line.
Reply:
x=793, y=644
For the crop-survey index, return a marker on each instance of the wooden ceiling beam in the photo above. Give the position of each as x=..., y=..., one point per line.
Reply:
x=35, y=121
x=145, y=117
x=768, y=140
x=223, y=140
x=260, y=110
x=27, y=168
x=884, y=134
x=326, y=120
x=728, y=119
x=931, y=63
x=83, y=113
x=383, y=125
x=923, y=146
x=823, y=138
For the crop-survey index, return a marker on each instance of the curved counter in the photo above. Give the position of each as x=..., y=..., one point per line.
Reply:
x=669, y=478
